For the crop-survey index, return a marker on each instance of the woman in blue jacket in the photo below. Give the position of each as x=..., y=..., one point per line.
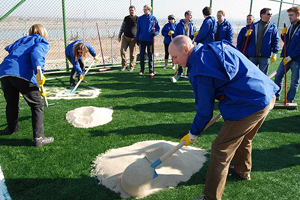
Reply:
x=76, y=52
x=168, y=33
x=18, y=75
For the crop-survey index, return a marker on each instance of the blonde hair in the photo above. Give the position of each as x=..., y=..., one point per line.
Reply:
x=38, y=29
x=222, y=12
x=148, y=7
x=79, y=46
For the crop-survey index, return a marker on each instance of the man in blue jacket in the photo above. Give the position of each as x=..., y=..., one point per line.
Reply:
x=206, y=33
x=264, y=41
x=242, y=37
x=292, y=59
x=224, y=30
x=18, y=74
x=246, y=95
x=185, y=27
x=144, y=37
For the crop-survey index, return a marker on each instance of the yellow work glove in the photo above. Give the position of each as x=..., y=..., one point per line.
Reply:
x=284, y=31
x=196, y=34
x=286, y=60
x=189, y=139
x=273, y=58
x=170, y=33
x=81, y=77
x=249, y=32
x=43, y=94
x=96, y=58
x=42, y=82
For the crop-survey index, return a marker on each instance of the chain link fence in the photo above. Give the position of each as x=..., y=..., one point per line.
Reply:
x=82, y=16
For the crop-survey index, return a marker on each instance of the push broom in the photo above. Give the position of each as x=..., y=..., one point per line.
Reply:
x=285, y=105
x=101, y=70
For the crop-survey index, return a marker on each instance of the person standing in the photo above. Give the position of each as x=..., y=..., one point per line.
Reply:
x=76, y=52
x=144, y=37
x=18, y=74
x=127, y=34
x=168, y=33
x=185, y=27
x=263, y=43
x=245, y=95
x=207, y=30
x=224, y=30
x=292, y=59
x=243, y=35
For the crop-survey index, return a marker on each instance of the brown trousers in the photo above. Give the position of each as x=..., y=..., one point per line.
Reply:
x=234, y=141
x=131, y=43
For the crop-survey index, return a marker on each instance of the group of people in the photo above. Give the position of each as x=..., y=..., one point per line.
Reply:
x=217, y=71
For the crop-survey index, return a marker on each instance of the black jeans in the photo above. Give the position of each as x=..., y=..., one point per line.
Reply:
x=73, y=72
x=12, y=86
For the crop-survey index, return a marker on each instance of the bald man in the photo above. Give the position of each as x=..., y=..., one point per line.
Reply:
x=245, y=94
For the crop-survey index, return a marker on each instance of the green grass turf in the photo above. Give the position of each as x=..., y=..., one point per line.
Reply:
x=144, y=109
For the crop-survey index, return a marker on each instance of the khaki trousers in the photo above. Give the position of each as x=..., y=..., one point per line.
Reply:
x=131, y=43
x=234, y=141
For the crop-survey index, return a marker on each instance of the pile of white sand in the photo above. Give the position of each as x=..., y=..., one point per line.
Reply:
x=109, y=167
x=89, y=116
x=62, y=93
x=4, y=195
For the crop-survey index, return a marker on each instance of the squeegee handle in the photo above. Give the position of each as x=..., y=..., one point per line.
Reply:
x=40, y=74
x=170, y=152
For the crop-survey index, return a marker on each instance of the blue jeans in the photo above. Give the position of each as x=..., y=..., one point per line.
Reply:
x=295, y=69
x=143, y=45
x=262, y=62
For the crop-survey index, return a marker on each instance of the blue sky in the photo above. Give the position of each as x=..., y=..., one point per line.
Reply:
x=234, y=9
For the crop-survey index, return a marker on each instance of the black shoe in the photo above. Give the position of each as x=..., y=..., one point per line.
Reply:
x=41, y=141
x=277, y=99
x=232, y=173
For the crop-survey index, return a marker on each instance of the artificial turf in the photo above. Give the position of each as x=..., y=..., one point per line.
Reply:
x=144, y=109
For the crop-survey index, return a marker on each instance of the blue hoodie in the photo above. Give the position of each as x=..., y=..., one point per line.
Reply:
x=226, y=31
x=180, y=29
x=293, y=49
x=24, y=56
x=270, y=43
x=165, y=32
x=69, y=52
x=218, y=70
x=144, y=30
x=207, y=31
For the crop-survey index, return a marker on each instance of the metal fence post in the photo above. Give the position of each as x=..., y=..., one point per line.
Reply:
x=278, y=20
x=65, y=31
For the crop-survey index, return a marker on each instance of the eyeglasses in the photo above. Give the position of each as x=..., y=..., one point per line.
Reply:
x=270, y=14
x=79, y=52
x=170, y=18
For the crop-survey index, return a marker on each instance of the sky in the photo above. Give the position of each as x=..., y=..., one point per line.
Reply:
x=234, y=9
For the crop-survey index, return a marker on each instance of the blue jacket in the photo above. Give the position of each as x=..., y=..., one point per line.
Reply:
x=207, y=31
x=145, y=28
x=241, y=39
x=24, y=56
x=180, y=29
x=293, y=49
x=165, y=32
x=226, y=31
x=270, y=42
x=69, y=53
x=219, y=69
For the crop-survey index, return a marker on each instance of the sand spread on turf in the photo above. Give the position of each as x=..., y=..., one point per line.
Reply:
x=109, y=167
x=63, y=93
x=89, y=116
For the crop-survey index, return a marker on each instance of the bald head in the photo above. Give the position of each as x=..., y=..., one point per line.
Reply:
x=180, y=49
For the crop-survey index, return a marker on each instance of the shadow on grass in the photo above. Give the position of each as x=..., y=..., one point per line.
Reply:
x=282, y=125
x=16, y=142
x=63, y=188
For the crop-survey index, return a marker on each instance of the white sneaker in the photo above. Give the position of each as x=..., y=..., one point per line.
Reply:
x=152, y=74
x=173, y=67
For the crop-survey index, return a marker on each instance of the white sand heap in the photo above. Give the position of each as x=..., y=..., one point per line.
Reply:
x=62, y=93
x=89, y=116
x=109, y=167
